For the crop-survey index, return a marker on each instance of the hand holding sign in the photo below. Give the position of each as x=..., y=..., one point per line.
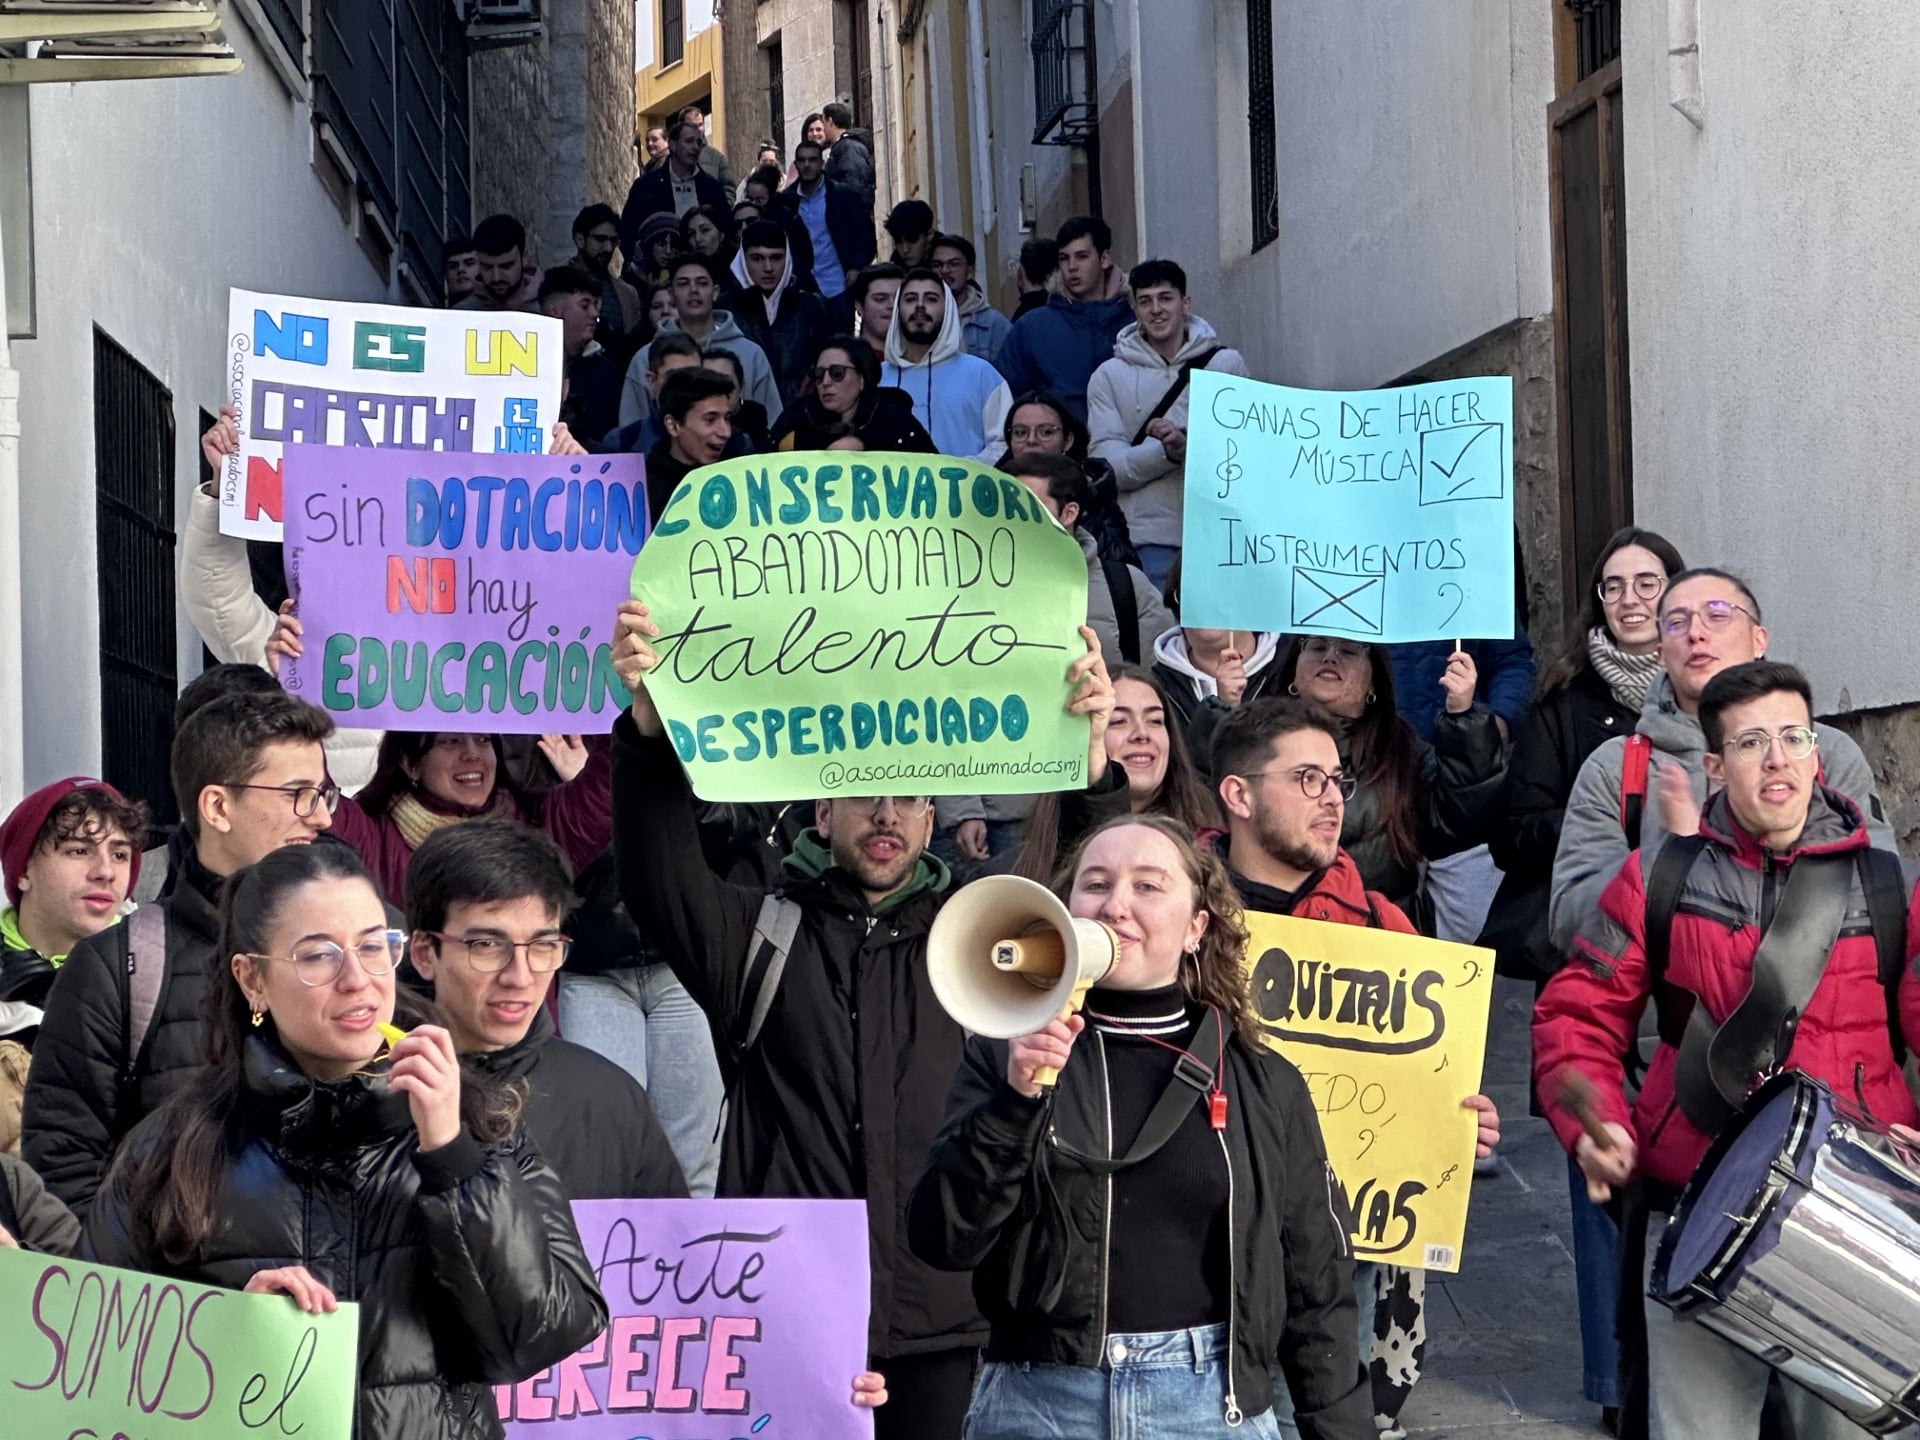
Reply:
x=296, y=1282
x=1459, y=681
x=1092, y=697
x=633, y=656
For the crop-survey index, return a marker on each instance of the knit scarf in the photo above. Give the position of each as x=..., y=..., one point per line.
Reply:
x=1628, y=676
x=416, y=822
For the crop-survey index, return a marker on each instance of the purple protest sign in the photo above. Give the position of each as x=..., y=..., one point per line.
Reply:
x=460, y=592
x=731, y=1318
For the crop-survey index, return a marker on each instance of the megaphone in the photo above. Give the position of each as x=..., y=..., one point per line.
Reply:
x=1006, y=958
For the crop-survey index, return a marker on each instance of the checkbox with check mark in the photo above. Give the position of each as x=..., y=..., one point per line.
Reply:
x=1463, y=462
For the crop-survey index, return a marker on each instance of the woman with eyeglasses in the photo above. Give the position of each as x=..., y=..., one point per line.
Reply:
x=850, y=405
x=1146, y=1269
x=1593, y=692
x=1040, y=422
x=316, y=1161
x=1415, y=802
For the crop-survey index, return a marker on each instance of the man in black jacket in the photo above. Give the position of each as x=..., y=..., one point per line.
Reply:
x=672, y=188
x=249, y=777
x=838, y=223
x=850, y=160
x=842, y=1093
x=486, y=901
x=771, y=309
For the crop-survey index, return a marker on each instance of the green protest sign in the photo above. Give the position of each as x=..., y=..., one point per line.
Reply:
x=853, y=624
x=89, y=1353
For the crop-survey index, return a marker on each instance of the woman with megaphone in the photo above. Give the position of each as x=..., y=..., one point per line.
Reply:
x=1149, y=1233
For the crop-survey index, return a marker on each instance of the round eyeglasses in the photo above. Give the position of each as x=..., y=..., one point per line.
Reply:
x=1314, y=781
x=317, y=962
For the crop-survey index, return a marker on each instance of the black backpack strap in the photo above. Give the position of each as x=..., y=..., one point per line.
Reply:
x=1884, y=879
x=1667, y=878
x=1174, y=391
x=1192, y=1078
x=773, y=936
x=1126, y=607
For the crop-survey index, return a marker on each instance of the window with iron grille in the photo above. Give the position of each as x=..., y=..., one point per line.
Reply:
x=1262, y=139
x=390, y=83
x=1063, y=112
x=776, y=63
x=288, y=21
x=133, y=479
x=673, y=32
x=1596, y=34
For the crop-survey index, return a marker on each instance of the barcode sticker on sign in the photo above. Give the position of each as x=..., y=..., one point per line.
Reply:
x=1439, y=1257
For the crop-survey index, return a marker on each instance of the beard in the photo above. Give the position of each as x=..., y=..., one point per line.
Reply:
x=918, y=332
x=1305, y=851
x=871, y=874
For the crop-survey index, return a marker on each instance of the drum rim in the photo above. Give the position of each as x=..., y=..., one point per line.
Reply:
x=1700, y=1289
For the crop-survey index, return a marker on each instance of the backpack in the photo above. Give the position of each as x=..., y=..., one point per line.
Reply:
x=1882, y=878
x=767, y=952
x=1126, y=607
x=146, y=974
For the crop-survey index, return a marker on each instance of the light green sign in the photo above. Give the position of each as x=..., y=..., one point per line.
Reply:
x=89, y=1353
x=862, y=624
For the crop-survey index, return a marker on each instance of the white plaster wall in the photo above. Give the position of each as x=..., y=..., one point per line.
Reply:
x=151, y=197
x=697, y=15
x=1771, y=281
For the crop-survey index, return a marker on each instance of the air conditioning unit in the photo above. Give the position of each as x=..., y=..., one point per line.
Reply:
x=501, y=12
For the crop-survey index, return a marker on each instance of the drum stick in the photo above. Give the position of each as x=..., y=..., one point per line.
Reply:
x=1576, y=1095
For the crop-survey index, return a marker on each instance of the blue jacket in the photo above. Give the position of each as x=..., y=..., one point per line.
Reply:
x=652, y=194
x=1506, y=679
x=1058, y=348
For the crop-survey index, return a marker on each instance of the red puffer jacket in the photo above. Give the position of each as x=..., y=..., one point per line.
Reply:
x=1590, y=1011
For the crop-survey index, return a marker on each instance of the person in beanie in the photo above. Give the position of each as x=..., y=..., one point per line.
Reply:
x=70, y=853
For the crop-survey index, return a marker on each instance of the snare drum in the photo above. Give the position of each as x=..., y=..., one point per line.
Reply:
x=1798, y=1240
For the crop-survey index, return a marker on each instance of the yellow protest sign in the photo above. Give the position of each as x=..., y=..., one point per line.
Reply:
x=1389, y=1030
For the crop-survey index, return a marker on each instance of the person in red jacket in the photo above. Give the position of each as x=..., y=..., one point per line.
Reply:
x=1285, y=796
x=1769, y=810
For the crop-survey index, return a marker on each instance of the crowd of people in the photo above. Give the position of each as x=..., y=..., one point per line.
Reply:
x=197, y=1076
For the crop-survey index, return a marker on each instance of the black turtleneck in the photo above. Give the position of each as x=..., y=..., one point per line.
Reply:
x=1168, y=1265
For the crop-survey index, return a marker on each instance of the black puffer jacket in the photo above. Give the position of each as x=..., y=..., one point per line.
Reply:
x=465, y=1262
x=1562, y=730
x=997, y=1198
x=841, y=1097
x=1456, y=804
x=883, y=420
x=587, y=1117
x=84, y=1092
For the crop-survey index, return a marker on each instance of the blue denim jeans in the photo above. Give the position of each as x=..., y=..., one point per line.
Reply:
x=1170, y=1385
x=644, y=1021
x=1156, y=561
x=1596, y=1274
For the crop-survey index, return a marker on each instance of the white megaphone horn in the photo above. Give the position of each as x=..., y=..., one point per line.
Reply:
x=1006, y=958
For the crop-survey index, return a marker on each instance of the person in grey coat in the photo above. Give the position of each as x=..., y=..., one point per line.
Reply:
x=1709, y=620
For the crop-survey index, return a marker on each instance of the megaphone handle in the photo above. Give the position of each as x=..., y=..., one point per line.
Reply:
x=1047, y=1076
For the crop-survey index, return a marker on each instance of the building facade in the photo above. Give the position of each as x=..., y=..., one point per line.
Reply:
x=677, y=62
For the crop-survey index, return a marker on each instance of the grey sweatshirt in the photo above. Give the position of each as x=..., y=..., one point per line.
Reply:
x=1592, y=844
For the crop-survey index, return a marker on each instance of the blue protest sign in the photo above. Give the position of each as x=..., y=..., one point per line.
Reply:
x=1383, y=515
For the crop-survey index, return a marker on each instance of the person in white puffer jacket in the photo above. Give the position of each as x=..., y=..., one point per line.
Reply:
x=1137, y=407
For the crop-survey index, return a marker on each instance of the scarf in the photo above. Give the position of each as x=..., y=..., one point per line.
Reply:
x=416, y=822
x=1628, y=676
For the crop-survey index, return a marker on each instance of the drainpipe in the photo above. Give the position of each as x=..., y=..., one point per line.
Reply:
x=12, y=686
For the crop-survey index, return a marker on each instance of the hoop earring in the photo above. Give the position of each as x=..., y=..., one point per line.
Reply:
x=1292, y=689
x=1372, y=696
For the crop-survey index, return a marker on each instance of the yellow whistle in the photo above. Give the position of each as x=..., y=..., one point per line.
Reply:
x=393, y=1033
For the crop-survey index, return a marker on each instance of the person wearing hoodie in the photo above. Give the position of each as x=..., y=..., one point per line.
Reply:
x=1137, y=406
x=849, y=407
x=961, y=400
x=1059, y=345
x=842, y=1092
x=983, y=328
x=698, y=283
x=850, y=152
x=1208, y=674
x=785, y=321
x=1709, y=620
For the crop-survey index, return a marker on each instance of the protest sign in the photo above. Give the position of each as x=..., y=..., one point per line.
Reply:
x=1381, y=515
x=454, y=592
x=854, y=624
x=730, y=1318
x=89, y=1353
x=1389, y=1030
x=327, y=372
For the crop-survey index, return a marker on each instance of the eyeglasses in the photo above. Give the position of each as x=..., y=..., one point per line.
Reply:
x=304, y=797
x=835, y=373
x=907, y=807
x=1018, y=433
x=318, y=962
x=1797, y=740
x=1314, y=781
x=1717, y=613
x=490, y=953
x=1646, y=585
x=1338, y=649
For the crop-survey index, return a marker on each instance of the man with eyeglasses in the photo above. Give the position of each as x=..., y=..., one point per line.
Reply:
x=596, y=231
x=843, y=1090
x=249, y=776
x=983, y=328
x=1285, y=797
x=1709, y=620
x=1776, y=850
x=488, y=901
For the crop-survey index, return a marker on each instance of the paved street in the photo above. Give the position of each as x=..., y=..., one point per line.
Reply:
x=1503, y=1348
